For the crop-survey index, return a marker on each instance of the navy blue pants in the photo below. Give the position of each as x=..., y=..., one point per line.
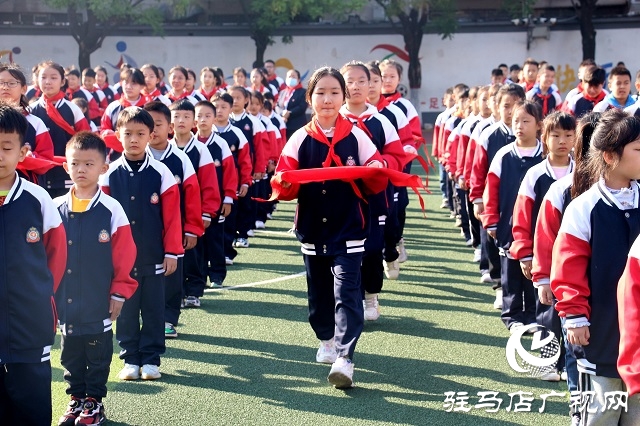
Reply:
x=335, y=299
x=263, y=191
x=214, y=238
x=491, y=255
x=87, y=361
x=194, y=278
x=230, y=232
x=173, y=294
x=474, y=224
x=547, y=316
x=25, y=394
x=518, y=294
x=143, y=344
x=247, y=207
x=372, y=271
x=443, y=180
x=392, y=231
x=461, y=203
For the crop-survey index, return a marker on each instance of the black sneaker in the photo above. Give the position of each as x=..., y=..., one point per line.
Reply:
x=92, y=413
x=74, y=408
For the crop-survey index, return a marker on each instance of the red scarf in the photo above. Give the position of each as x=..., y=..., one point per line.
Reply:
x=105, y=86
x=39, y=166
x=142, y=101
x=69, y=93
x=359, y=122
x=175, y=98
x=152, y=95
x=595, y=100
x=392, y=97
x=208, y=95
x=545, y=103
x=528, y=86
x=54, y=114
x=382, y=103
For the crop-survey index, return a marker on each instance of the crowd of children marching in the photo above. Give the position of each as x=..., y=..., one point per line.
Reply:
x=544, y=190
x=154, y=187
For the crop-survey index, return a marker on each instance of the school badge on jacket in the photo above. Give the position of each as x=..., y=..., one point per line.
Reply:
x=154, y=198
x=351, y=161
x=103, y=236
x=33, y=236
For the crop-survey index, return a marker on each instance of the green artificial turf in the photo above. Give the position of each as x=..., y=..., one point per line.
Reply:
x=247, y=356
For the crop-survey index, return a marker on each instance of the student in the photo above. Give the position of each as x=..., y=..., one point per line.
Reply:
x=183, y=120
x=99, y=98
x=514, y=71
x=147, y=191
x=102, y=83
x=190, y=86
x=161, y=84
x=62, y=118
x=190, y=206
x=259, y=82
x=227, y=176
x=97, y=282
x=330, y=222
x=76, y=90
x=592, y=93
x=291, y=102
x=507, y=171
x=117, y=87
x=553, y=206
x=558, y=138
x=33, y=257
x=543, y=92
x=33, y=91
x=387, y=142
x=209, y=83
x=256, y=137
x=597, y=231
x=132, y=83
x=620, y=88
x=84, y=107
x=530, y=74
x=178, y=77
x=497, y=77
x=276, y=120
x=272, y=76
x=239, y=147
x=150, y=89
x=584, y=66
x=221, y=78
x=240, y=77
x=449, y=102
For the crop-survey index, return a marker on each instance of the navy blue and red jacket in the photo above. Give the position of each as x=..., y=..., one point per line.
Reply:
x=549, y=101
x=534, y=187
x=100, y=258
x=180, y=166
x=633, y=109
x=581, y=103
x=256, y=136
x=57, y=178
x=109, y=93
x=151, y=200
x=491, y=140
x=331, y=218
x=506, y=173
x=33, y=250
x=226, y=172
x=589, y=258
x=410, y=112
x=239, y=148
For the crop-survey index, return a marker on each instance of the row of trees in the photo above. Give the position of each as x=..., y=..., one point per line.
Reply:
x=91, y=21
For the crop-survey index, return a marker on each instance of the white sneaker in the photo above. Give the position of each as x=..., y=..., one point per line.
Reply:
x=497, y=304
x=341, y=374
x=269, y=216
x=192, y=302
x=563, y=375
x=242, y=243
x=515, y=326
x=150, y=372
x=486, y=278
x=228, y=261
x=444, y=204
x=477, y=254
x=552, y=376
x=260, y=224
x=129, y=372
x=326, y=352
x=391, y=269
x=402, y=252
x=371, y=307
x=468, y=243
x=251, y=233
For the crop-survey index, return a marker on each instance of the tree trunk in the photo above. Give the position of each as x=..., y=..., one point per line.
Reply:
x=587, y=29
x=412, y=31
x=84, y=56
x=88, y=34
x=262, y=42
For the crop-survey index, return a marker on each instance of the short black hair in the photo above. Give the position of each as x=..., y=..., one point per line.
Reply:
x=133, y=75
x=182, y=105
x=13, y=121
x=224, y=97
x=84, y=141
x=514, y=67
x=208, y=105
x=134, y=114
x=88, y=72
x=159, y=107
x=72, y=71
x=594, y=76
x=497, y=72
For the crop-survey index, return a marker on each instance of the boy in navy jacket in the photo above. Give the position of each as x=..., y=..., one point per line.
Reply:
x=101, y=253
x=33, y=254
x=147, y=191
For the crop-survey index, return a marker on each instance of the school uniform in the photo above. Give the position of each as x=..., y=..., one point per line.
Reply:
x=33, y=93
x=506, y=173
x=628, y=318
x=589, y=257
x=38, y=141
x=332, y=224
x=240, y=152
x=156, y=95
x=101, y=101
x=185, y=176
x=458, y=198
x=281, y=125
x=549, y=101
x=582, y=103
x=633, y=109
x=108, y=91
x=294, y=101
x=100, y=257
x=262, y=188
x=214, y=236
x=33, y=263
x=63, y=119
x=147, y=191
x=609, y=102
x=173, y=98
x=277, y=82
x=110, y=116
x=387, y=143
x=93, y=107
x=194, y=278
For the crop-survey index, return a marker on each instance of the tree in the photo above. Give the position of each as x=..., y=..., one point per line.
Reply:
x=585, y=10
x=412, y=18
x=266, y=16
x=91, y=21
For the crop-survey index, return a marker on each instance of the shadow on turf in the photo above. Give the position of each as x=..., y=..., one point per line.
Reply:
x=285, y=375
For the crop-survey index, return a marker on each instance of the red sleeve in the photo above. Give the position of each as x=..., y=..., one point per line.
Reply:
x=478, y=173
x=261, y=152
x=105, y=123
x=209, y=190
x=547, y=227
x=193, y=206
x=416, y=130
x=55, y=245
x=468, y=161
x=272, y=143
x=244, y=164
x=94, y=108
x=105, y=189
x=82, y=124
x=444, y=140
x=283, y=140
x=103, y=105
x=285, y=194
x=461, y=156
x=491, y=198
x=569, y=281
x=44, y=146
x=229, y=178
x=124, y=252
x=453, y=154
x=435, y=153
x=394, y=155
x=629, y=320
x=172, y=236
x=522, y=246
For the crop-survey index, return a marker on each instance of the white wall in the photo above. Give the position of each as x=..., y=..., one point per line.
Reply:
x=468, y=58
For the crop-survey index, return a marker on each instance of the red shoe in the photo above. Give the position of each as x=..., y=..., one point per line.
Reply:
x=92, y=413
x=73, y=411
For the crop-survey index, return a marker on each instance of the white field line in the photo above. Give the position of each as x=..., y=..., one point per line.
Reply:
x=257, y=283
